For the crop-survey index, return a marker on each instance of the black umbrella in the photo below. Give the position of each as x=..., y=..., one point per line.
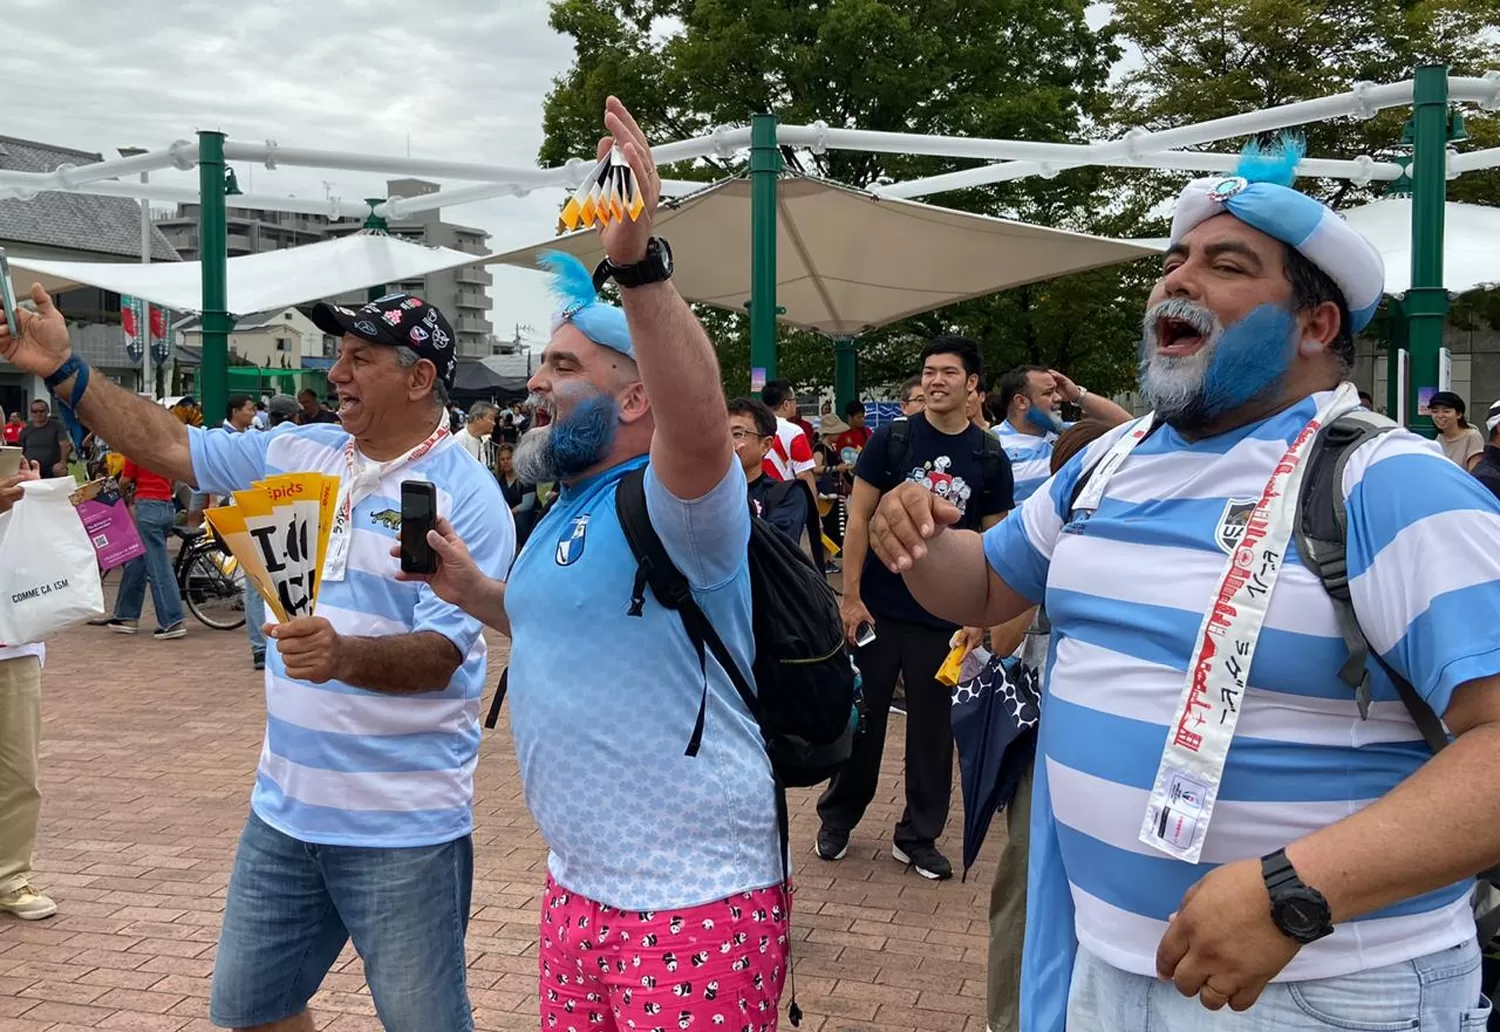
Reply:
x=994, y=728
x=477, y=381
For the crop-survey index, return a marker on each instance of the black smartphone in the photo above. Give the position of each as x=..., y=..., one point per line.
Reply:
x=8, y=296
x=418, y=514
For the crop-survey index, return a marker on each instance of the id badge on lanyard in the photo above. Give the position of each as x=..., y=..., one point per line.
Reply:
x=358, y=482
x=1198, y=739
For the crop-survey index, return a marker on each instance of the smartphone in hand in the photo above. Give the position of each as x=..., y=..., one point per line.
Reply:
x=418, y=516
x=8, y=296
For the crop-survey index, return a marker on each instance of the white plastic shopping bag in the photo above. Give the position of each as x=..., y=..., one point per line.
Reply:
x=49, y=573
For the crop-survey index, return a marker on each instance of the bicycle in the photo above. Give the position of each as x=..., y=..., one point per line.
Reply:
x=211, y=581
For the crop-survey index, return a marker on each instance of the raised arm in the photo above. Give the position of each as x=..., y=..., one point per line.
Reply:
x=691, y=450
x=134, y=425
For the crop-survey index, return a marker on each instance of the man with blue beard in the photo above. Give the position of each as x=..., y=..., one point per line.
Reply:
x=1032, y=398
x=643, y=767
x=1215, y=823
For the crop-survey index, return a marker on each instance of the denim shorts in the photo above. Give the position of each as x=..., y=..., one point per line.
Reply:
x=293, y=905
x=1436, y=993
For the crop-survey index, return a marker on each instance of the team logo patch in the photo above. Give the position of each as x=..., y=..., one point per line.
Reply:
x=1228, y=187
x=387, y=518
x=418, y=335
x=366, y=327
x=570, y=545
x=1232, y=523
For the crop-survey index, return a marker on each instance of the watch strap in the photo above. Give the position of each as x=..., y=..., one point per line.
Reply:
x=653, y=268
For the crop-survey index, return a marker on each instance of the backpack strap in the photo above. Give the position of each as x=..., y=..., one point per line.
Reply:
x=656, y=570
x=495, y=703
x=897, y=445
x=1322, y=542
x=992, y=460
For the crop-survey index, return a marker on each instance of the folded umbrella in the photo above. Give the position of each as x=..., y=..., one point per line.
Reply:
x=994, y=718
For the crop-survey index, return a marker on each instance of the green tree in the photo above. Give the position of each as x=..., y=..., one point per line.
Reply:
x=1263, y=53
x=990, y=68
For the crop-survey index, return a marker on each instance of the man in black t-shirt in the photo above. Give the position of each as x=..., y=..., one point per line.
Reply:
x=953, y=458
x=45, y=441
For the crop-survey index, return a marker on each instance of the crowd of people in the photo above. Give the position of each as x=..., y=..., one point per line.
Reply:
x=1212, y=835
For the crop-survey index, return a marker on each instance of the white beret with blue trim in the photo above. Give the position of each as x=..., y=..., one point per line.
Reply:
x=1294, y=218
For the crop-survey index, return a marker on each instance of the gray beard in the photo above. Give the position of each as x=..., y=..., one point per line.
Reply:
x=1173, y=385
x=534, y=460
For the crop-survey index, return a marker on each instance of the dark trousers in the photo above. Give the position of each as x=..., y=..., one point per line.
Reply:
x=914, y=652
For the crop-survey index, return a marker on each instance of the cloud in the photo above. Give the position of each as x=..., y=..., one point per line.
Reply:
x=460, y=80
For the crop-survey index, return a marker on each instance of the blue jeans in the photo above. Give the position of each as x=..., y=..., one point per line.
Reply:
x=293, y=905
x=1436, y=993
x=255, y=619
x=153, y=520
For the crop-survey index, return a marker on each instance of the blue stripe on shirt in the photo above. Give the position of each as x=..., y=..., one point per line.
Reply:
x=371, y=754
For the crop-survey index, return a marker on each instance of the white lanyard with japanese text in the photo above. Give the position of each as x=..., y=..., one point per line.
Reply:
x=361, y=477
x=1192, y=763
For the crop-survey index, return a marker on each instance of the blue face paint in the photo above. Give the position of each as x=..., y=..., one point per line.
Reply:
x=583, y=437
x=1046, y=422
x=1250, y=359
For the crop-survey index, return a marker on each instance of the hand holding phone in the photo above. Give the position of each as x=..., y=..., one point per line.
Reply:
x=418, y=516
x=10, y=461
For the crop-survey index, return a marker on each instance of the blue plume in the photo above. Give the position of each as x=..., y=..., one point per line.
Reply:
x=572, y=281
x=1275, y=164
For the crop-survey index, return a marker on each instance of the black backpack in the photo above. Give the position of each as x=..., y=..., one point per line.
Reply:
x=803, y=689
x=992, y=458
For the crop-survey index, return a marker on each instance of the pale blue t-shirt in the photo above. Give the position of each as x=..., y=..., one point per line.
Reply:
x=604, y=704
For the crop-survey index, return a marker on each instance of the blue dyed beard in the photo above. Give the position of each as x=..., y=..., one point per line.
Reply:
x=1046, y=422
x=1245, y=362
x=571, y=444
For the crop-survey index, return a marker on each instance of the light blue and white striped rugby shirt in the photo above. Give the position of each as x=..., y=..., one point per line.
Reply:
x=1030, y=457
x=346, y=766
x=1125, y=593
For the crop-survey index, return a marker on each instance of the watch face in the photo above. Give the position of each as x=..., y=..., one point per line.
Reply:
x=1302, y=918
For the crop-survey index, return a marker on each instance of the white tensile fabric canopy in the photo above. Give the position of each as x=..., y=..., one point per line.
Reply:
x=257, y=282
x=1471, y=243
x=847, y=261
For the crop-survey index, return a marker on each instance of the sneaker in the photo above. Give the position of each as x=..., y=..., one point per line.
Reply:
x=926, y=860
x=258, y=660
x=101, y=621
x=832, y=844
x=121, y=626
x=28, y=904
x=177, y=630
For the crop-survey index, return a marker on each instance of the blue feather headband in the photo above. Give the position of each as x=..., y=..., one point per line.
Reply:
x=1276, y=163
x=579, y=304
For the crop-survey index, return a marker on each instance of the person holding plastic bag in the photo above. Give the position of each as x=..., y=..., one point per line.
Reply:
x=20, y=743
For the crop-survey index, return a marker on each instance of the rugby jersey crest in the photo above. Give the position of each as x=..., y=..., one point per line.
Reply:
x=1125, y=589
x=346, y=766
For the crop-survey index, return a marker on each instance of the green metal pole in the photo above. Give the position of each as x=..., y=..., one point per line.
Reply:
x=1427, y=301
x=845, y=373
x=213, y=248
x=375, y=224
x=765, y=167
x=1396, y=316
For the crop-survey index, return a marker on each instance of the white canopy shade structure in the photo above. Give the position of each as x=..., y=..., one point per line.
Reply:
x=1471, y=243
x=257, y=282
x=848, y=261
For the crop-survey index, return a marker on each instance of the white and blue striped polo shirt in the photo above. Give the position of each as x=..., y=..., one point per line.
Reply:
x=1125, y=590
x=343, y=765
x=1030, y=457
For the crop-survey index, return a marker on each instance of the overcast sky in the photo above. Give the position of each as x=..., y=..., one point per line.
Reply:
x=458, y=79
x=464, y=79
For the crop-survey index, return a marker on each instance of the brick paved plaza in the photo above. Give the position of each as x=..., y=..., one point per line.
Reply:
x=149, y=754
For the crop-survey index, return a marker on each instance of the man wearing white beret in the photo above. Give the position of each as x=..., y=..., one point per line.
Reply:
x=1239, y=821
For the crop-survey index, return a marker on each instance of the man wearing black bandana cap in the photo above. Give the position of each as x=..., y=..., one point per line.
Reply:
x=361, y=817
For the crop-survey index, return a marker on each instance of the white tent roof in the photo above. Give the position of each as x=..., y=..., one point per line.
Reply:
x=257, y=282
x=1471, y=243
x=848, y=261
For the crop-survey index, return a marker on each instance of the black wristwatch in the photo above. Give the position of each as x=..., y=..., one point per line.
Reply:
x=1299, y=910
x=654, y=268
